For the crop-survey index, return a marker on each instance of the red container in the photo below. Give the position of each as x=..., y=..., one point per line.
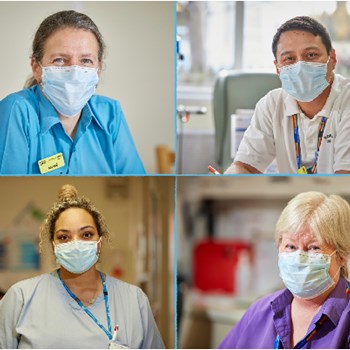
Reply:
x=215, y=264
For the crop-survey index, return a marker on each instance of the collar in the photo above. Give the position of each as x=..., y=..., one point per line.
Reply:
x=48, y=116
x=335, y=304
x=333, y=307
x=291, y=106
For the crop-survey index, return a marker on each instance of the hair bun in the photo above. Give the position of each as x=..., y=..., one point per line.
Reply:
x=67, y=193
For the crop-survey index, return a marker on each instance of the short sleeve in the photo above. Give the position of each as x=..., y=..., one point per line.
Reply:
x=152, y=338
x=10, y=309
x=14, y=139
x=342, y=142
x=257, y=147
x=127, y=158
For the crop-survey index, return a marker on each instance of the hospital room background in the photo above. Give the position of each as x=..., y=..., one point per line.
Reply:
x=225, y=65
x=139, y=61
x=138, y=212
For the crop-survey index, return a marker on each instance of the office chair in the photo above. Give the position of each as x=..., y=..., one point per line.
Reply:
x=234, y=91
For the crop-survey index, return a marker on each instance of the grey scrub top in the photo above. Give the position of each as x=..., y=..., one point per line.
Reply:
x=39, y=313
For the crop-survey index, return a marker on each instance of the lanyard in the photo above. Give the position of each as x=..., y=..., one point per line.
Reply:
x=105, y=294
x=313, y=168
x=318, y=325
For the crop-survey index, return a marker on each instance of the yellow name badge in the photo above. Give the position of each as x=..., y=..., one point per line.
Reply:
x=302, y=170
x=51, y=163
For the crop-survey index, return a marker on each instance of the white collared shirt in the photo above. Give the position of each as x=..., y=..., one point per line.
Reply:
x=271, y=134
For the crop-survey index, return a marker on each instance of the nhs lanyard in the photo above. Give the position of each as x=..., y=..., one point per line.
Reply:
x=105, y=294
x=313, y=168
x=303, y=342
x=318, y=325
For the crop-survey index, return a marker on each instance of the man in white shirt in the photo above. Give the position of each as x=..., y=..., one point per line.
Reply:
x=305, y=125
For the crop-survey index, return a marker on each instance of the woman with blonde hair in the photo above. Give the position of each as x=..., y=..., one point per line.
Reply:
x=313, y=311
x=76, y=306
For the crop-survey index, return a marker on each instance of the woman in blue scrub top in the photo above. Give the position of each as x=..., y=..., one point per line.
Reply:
x=57, y=125
x=76, y=306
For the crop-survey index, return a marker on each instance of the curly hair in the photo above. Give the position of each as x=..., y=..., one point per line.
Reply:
x=68, y=198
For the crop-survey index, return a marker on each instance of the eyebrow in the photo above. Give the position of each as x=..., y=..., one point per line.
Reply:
x=310, y=48
x=80, y=229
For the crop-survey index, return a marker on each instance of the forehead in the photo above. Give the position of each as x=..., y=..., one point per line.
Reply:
x=74, y=217
x=71, y=40
x=299, y=40
x=302, y=236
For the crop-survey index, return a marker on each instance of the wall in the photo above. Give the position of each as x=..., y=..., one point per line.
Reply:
x=139, y=63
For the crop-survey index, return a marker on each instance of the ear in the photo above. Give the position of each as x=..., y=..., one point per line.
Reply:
x=333, y=58
x=100, y=67
x=276, y=66
x=36, y=69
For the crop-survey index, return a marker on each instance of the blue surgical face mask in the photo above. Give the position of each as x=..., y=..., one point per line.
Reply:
x=304, y=80
x=77, y=256
x=305, y=275
x=69, y=88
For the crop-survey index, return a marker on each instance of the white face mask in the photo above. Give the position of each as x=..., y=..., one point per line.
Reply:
x=77, y=256
x=69, y=88
x=305, y=275
x=304, y=80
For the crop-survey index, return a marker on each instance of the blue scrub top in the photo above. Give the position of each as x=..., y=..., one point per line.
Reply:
x=30, y=130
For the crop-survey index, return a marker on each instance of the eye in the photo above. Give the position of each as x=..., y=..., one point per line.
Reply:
x=290, y=247
x=312, y=55
x=88, y=234
x=63, y=238
x=58, y=60
x=87, y=62
x=314, y=248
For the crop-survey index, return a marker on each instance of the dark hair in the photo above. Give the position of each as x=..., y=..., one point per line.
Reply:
x=61, y=20
x=306, y=24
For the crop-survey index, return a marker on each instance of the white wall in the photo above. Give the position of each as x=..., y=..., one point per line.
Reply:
x=139, y=62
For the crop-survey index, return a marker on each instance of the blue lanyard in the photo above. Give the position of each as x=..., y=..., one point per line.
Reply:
x=318, y=325
x=313, y=168
x=105, y=294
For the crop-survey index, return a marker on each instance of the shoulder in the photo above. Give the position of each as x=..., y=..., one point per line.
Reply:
x=123, y=287
x=22, y=97
x=21, y=103
x=27, y=287
x=272, y=100
x=103, y=104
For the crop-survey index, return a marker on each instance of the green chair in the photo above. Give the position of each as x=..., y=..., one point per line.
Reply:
x=234, y=91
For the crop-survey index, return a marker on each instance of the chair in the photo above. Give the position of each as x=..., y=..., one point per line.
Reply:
x=234, y=91
x=165, y=159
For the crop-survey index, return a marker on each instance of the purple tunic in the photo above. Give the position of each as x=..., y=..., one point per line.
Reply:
x=270, y=316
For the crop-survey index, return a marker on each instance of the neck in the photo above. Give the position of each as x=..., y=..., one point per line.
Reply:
x=70, y=124
x=310, y=109
x=86, y=278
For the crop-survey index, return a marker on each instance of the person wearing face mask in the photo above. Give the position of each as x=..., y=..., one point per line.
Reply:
x=313, y=311
x=58, y=125
x=305, y=125
x=76, y=306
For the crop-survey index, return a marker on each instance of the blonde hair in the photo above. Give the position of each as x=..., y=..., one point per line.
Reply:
x=68, y=198
x=327, y=216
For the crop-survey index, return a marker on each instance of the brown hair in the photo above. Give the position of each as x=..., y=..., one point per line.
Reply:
x=61, y=20
x=68, y=198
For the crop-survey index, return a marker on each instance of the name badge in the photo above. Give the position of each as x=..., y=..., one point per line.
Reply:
x=51, y=163
x=302, y=170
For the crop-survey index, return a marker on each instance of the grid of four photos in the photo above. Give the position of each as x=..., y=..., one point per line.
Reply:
x=175, y=174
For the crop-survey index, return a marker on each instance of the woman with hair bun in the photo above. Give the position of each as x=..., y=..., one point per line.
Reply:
x=313, y=311
x=76, y=306
x=57, y=125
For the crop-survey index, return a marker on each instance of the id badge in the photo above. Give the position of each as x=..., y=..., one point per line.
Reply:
x=116, y=345
x=51, y=163
x=302, y=170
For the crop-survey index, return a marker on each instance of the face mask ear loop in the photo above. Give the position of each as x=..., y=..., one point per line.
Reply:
x=99, y=247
